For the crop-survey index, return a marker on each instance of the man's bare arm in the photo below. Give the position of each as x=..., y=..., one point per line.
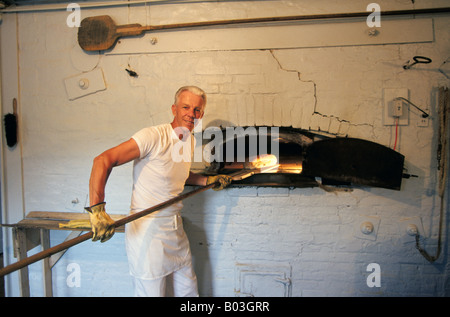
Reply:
x=103, y=165
x=221, y=180
x=102, y=224
x=196, y=179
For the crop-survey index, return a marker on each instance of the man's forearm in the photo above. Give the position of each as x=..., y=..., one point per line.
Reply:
x=97, y=182
x=196, y=179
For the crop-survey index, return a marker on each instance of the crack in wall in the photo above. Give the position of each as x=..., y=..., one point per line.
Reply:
x=315, y=112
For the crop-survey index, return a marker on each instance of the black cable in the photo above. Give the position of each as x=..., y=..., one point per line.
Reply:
x=424, y=114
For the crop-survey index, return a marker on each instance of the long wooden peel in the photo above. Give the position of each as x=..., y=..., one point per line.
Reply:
x=239, y=175
x=70, y=243
x=100, y=33
x=118, y=223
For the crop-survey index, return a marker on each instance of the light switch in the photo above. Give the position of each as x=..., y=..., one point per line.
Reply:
x=85, y=84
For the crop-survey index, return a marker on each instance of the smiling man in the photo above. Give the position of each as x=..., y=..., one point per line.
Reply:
x=157, y=247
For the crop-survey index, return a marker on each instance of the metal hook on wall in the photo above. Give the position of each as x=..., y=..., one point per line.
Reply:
x=417, y=60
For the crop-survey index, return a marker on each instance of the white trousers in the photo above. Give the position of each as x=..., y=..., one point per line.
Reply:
x=181, y=283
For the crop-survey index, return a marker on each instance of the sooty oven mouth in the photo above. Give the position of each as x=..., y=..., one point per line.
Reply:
x=305, y=159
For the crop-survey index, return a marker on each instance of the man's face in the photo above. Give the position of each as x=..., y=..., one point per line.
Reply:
x=188, y=108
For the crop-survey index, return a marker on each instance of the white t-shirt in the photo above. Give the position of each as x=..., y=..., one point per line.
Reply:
x=157, y=244
x=157, y=176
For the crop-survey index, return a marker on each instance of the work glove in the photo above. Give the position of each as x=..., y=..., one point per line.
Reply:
x=76, y=224
x=102, y=225
x=223, y=180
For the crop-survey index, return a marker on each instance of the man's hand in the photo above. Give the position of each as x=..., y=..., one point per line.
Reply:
x=223, y=180
x=102, y=224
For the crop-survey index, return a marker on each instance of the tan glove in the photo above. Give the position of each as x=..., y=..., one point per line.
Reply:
x=224, y=181
x=76, y=224
x=102, y=225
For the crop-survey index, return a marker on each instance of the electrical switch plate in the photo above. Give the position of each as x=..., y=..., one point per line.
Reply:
x=389, y=96
x=85, y=84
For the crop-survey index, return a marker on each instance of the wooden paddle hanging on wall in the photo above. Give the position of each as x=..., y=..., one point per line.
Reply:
x=100, y=33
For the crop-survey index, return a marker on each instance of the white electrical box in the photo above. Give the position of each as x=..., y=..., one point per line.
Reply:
x=394, y=108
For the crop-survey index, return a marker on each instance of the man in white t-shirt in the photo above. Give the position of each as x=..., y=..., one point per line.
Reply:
x=157, y=247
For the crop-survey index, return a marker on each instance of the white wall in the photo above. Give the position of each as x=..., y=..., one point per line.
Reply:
x=309, y=235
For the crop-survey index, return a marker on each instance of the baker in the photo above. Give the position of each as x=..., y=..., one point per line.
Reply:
x=157, y=247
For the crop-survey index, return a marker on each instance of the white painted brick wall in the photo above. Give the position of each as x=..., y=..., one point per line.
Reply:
x=336, y=90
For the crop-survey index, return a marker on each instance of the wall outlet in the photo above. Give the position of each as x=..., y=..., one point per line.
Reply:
x=394, y=108
x=423, y=122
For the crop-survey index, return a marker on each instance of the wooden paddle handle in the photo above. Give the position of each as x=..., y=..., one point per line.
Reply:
x=15, y=106
x=46, y=253
x=130, y=29
x=69, y=243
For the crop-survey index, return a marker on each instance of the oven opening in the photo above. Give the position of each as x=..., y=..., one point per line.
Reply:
x=289, y=157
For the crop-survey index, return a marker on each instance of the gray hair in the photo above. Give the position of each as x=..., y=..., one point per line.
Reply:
x=193, y=89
